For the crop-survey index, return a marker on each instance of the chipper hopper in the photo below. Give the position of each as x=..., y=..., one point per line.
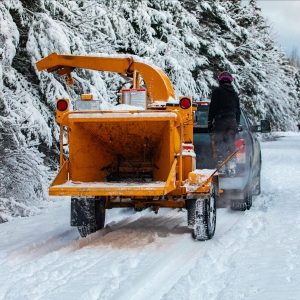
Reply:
x=130, y=158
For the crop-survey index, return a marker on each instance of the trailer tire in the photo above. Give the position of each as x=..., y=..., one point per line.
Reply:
x=138, y=209
x=90, y=214
x=190, y=207
x=205, y=216
x=86, y=230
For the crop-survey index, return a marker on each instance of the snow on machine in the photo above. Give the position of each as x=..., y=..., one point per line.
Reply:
x=130, y=158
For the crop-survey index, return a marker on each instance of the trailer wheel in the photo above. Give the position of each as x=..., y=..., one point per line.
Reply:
x=190, y=207
x=138, y=209
x=205, y=215
x=88, y=214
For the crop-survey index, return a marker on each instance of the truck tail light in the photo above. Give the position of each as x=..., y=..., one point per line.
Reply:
x=61, y=105
x=185, y=103
x=241, y=154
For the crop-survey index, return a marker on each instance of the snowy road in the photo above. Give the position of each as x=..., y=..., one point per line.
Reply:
x=253, y=255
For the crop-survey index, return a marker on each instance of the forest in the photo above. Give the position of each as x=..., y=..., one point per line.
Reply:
x=191, y=41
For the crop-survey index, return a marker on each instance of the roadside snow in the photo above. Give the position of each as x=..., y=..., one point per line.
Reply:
x=259, y=256
x=253, y=255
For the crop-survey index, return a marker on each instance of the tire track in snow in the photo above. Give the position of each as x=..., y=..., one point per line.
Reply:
x=155, y=281
x=163, y=237
x=40, y=249
x=38, y=256
x=76, y=263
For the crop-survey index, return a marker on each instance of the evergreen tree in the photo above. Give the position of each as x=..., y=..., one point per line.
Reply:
x=297, y=80
x=265, y=78
x=191, y=40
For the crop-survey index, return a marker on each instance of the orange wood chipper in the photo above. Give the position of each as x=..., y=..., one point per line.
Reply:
x=130, y=158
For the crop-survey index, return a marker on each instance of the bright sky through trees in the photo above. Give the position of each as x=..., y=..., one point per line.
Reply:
x=284, y=18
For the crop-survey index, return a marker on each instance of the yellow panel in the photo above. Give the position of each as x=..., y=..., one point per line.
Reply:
x=187, y=166
x=87, y=97
x=176, y=141
x=98, y=150
x=62, y=176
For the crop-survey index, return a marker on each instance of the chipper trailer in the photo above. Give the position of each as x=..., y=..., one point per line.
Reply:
x=130, y=158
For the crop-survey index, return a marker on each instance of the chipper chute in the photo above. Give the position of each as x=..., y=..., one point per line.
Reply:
x=119, y=154
x=130, y=158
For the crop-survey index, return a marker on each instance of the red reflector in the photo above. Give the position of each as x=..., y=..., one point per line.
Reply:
x=61, y=105
x=188, y=147
x=202, y=103
x=238, y=144
x=185, y=103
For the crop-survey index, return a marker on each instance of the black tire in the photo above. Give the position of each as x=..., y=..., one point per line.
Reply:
x=246, y=203
x=238, y=205
x=256, y=189
x=190, y=207
x=139, y=209
x=204, y=214
x=86, y=230
x=92, y=212
x=248, y=196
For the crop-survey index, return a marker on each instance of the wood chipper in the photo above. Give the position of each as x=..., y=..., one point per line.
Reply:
x=130, y=158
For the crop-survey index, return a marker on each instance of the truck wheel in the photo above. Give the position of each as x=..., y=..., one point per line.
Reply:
x=238, y=205
x=256, y=188
x=246, y=203
x=248, y=198
x=256, y=183
x=205, y=216
x=88, y=214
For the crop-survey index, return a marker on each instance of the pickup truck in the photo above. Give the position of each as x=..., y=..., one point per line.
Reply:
x=246, y=183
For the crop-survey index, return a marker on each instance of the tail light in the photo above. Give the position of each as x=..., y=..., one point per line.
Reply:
x=241, y=154
x=202, y=103
x=185, y=103
x=188, y=147
x=61, y=105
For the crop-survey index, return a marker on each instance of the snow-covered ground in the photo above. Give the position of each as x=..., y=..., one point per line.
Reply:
x=253, y=255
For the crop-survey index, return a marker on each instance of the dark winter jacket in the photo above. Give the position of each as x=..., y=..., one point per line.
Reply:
x=224, y=103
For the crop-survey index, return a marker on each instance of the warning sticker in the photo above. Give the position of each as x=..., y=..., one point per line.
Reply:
x=138, y=97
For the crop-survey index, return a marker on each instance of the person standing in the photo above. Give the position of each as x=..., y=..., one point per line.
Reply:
x=223, y=120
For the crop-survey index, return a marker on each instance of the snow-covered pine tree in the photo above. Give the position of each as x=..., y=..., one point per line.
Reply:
x=24, y=121
x=191, y=40
x=297, y=82
x=218, y=36
x=267, y=85
x=236, y=38
x=159, y=31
